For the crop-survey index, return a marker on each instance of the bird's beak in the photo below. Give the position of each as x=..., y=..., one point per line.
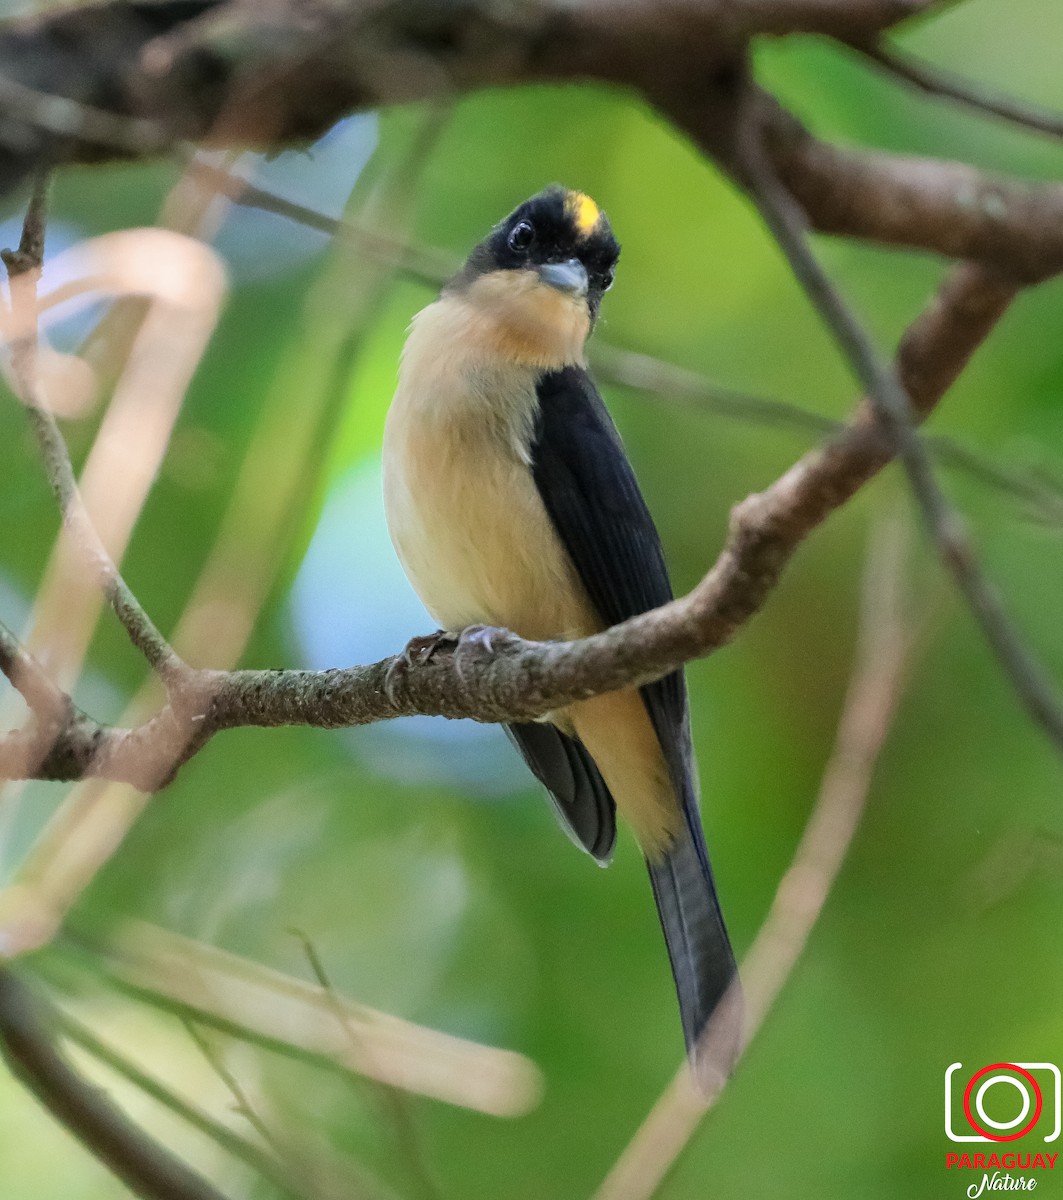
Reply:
x=569, y=277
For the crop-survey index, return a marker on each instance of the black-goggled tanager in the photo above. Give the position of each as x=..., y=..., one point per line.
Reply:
x=512, y=504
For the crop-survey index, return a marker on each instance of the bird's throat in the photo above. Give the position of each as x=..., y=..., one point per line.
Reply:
x=524, y=320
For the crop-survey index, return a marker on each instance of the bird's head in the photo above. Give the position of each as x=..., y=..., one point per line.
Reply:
x=539, y=275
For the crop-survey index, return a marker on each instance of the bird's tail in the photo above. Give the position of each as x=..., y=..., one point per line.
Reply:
x=703, y=964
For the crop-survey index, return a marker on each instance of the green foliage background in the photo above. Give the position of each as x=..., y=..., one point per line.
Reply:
x=474, y=914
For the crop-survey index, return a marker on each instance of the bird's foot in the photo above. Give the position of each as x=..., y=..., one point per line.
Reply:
x=424, y=648
x=482, y=636
x=470, y=646
x=417, y=650
x=477, y=642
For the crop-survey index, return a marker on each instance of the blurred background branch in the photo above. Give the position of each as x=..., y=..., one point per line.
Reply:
x=935, y=82
x=28, y=1047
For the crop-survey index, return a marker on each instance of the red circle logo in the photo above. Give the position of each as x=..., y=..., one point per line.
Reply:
x=1002, y=1137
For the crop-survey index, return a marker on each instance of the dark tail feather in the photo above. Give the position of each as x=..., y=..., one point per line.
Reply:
x=703, y=963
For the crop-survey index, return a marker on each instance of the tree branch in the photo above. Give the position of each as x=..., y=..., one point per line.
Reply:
x=237, y=73
x=944, y=207
x=521, y=680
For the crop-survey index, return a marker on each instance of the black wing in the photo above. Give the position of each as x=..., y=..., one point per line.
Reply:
x=594, y=502
x=583, y=803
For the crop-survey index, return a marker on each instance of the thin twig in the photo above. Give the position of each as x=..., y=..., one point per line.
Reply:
x=644, y=373
x=1040, y=496
x=870, y=703
x=430, y=267
x=241, y=1100
x=893, y=410
x=30, y=253
x=664, y=380
x=27, y=1044
x=936, y=81
x=310, y=1178
x=297, y=1167
x=23, y=266
x=142, y=631
x=394, y=1103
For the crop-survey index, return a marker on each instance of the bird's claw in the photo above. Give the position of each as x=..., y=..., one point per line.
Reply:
x=417, y=650
x=424, y=648
x=476, y=640
x=482, y=636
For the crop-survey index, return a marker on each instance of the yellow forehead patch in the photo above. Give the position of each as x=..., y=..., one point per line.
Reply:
x=584, y=211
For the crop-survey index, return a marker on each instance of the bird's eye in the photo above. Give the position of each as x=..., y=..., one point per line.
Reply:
x=521, y=237
x=607, y=280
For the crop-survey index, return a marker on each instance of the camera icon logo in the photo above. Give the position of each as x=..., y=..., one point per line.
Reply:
x=1035, y=1108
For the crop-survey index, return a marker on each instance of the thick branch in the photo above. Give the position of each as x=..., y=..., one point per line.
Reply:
x=948, y=208
x=271, y=73
x=245, y=72
x=521, y=680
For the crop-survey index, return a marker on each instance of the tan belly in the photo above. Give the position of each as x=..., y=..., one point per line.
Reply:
x=474, y=538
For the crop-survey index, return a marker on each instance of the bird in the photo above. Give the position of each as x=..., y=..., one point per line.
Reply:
x=512, y=504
